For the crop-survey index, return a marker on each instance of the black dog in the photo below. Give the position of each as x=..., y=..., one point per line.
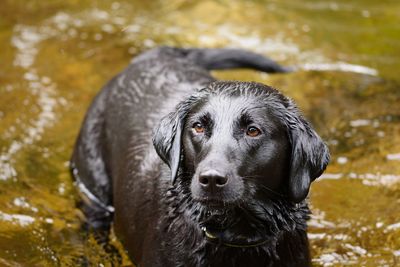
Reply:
x=223, y=179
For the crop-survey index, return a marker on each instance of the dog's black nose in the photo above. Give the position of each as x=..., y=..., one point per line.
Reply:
x=212, y=179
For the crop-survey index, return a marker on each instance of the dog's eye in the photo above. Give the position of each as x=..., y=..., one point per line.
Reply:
x=198, y=127
x=253, y=131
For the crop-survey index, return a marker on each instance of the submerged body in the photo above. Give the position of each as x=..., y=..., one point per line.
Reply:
x=211, y=215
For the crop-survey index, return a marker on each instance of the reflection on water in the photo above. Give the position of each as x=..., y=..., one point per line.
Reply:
x=56, y=55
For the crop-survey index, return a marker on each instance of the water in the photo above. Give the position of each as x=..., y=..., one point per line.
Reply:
x=55, y=55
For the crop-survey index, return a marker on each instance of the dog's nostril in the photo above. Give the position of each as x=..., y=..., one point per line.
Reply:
x=221, y=181
x=203, y=180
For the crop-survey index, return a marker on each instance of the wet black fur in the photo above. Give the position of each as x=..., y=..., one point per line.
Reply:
x=282, y=223
x=156, y=217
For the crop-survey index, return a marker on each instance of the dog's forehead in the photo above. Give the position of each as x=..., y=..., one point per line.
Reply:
x=233, y=105
x=225, y=108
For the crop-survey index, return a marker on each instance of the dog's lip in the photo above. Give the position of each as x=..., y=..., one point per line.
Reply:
x=210, y=202
x=214, y=203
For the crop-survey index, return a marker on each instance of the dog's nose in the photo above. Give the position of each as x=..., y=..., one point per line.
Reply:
x=212, y=179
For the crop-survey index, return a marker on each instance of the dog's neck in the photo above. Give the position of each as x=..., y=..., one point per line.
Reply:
x=259, y=226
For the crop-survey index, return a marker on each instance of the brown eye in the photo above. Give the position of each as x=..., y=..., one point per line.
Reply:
x=198, y=127
x=253, y=131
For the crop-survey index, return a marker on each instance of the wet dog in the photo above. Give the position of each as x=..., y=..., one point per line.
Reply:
x=198, y=172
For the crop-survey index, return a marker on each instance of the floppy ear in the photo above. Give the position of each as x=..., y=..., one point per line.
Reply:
x=168, y=133
x=167, y=141
x=309, y=157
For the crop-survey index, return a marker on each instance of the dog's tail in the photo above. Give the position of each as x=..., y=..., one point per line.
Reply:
x=227, y=58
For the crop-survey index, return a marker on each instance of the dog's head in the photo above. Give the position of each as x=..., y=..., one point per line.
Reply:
x=237, y=138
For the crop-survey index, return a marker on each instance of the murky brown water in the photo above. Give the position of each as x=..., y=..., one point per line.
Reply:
x=55, y=55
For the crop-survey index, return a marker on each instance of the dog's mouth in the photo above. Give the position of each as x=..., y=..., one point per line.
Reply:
x=216, y=219
x=214, y=208
x=213, y=203
x=216, y=214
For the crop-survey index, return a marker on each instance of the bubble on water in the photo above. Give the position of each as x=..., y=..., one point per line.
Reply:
x=334, y=6
x=108, y=28
x=393, y=156
x=359, y=123
x=332, y=259
x=7, y=171
x=62, y=101
x=356, y=249
x=46, y=80
x=99, y=14
x=393, y=227
x=20, y=202
x=330, y=176
x=22, y=220
x=29, y=76
x=365, y=13
x=118, y=20
x=341, y=237
x=134, y=28
x=327, y=258
x=9, y=87
x=316, y=236
x=25, y=39
x=61, y=20
x=387, y=180
x=149, y=43
x=207, y=40
x=23, y=203
x=339, y=66
x=61, y=189
x=49, y=220
x=342, y=160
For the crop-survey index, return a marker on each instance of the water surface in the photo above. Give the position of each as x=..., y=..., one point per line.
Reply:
x=55, y=55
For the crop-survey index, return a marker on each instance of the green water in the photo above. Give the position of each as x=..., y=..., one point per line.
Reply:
x=55, y=55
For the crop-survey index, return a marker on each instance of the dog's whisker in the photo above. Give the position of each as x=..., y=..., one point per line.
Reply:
x=253, y=178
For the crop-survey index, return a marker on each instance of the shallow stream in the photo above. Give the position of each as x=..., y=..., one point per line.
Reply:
x=55, y=55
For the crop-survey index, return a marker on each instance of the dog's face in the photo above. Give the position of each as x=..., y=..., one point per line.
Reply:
x=231, y=145
x=236, y=139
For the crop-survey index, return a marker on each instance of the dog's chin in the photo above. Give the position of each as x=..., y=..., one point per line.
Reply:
x=216, y=213
x=215, y=204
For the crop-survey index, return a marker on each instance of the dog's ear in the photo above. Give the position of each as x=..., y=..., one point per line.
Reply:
x=168, y=133
x=309, y=156
x=167, y=141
